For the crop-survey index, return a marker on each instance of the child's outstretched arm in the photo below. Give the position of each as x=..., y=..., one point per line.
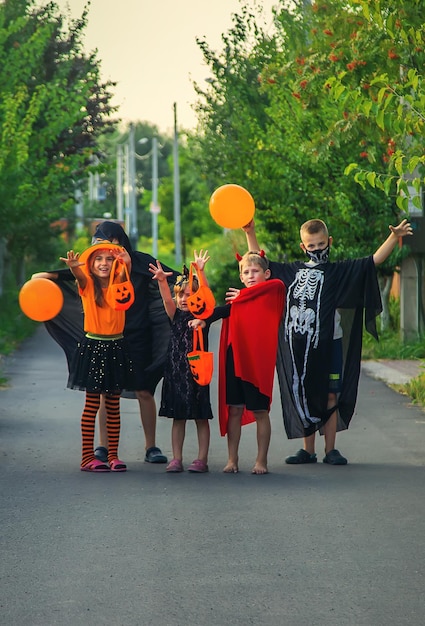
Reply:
x=72, y=261
x=251, y=236
x=164, y=288
x=232, y=293
x=384, y=251
x=201, y=260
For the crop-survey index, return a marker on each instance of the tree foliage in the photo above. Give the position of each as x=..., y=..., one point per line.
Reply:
x=53, y=108
x=378, y=60
x=268, y=123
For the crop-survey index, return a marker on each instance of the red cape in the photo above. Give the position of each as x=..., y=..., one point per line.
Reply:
x=252, y=330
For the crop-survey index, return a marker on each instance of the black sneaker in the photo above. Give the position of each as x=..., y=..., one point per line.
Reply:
x=334, y=457
x=302, y=456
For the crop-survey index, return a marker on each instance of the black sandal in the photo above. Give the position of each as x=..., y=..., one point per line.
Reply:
x=302, y=456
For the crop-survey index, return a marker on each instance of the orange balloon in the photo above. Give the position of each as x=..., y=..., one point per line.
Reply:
x=232, y=206
x=40, y=299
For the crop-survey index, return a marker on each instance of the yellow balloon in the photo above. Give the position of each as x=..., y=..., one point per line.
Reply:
x=41, y=299
x=232, y=206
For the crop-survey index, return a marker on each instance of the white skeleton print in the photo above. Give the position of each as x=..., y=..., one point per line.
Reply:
x=303, y=320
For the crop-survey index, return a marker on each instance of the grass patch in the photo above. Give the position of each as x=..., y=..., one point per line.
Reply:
x=390, y=346
x=416, y=390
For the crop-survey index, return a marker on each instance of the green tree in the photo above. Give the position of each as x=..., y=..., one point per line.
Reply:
x=54, y=107
x=375, y=77
x=258, y=131
x=269, y=124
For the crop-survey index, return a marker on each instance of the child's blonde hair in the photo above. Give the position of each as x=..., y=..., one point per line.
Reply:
x=311, y=227
x=182, y=282
x=254, y=258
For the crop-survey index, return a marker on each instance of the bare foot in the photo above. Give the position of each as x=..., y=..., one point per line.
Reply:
x=231, y=468
x=259, y=468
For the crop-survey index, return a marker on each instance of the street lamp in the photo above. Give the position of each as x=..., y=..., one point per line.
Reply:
x=126, y=163
x=124, y=186
x=155, y=208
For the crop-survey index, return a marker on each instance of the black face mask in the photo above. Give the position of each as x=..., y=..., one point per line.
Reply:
x=318, y=256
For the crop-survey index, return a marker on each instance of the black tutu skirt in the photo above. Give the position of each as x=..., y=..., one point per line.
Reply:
x=101, y=366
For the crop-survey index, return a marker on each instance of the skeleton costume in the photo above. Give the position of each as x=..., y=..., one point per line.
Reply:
x=314, y=293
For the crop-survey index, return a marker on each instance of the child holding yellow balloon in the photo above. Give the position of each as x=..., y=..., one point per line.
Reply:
x=318, y=375
x=248, y=346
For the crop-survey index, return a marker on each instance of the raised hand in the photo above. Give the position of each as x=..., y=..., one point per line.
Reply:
x=250, y=227
x=72, y=259
x=158, y=273
x=201, y=259
x=122, y=255
x=403, y=229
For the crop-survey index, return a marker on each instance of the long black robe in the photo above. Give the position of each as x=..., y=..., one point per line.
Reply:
x=305, y=343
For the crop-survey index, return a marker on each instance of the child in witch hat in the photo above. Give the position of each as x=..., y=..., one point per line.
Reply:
x=101, y=364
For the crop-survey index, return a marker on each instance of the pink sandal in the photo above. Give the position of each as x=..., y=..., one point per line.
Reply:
x=95, y=466
x=198, y=466
x=118, y=466
x=175, y=466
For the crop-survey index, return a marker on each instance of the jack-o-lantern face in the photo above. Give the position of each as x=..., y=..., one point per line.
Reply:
x=122, y=294
x=198, y=305
x=201, y=366
x=201, y=303
x=201, y=363
x=193, y=366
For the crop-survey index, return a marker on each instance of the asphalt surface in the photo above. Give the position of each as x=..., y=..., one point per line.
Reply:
x=302, y=545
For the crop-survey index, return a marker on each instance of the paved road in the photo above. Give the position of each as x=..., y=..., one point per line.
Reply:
x=303, y=545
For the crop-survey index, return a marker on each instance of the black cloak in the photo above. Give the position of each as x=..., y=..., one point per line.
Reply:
x=147, y=328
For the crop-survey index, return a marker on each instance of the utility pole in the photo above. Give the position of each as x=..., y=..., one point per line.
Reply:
x=134, y=232
x=155, y=209
x=119, y=198
x=177, y=225
x=127, y=188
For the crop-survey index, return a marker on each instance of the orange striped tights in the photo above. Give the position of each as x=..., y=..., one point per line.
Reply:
x=88, y=421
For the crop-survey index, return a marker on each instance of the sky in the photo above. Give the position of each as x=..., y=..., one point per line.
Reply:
x=148, y=47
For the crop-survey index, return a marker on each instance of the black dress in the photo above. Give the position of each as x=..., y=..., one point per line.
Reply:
x=182, y=397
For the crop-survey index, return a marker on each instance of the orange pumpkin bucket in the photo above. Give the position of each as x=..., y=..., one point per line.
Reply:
x=201, y=302
x=201, y=363
x=120, y=292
